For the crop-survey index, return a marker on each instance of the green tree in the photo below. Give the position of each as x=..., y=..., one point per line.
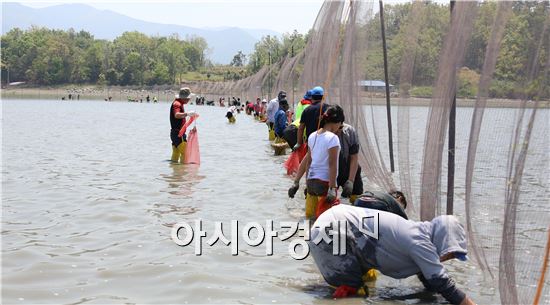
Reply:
x=112, y=76
x=132, y=73
x=467, y=83
x=238, y=60
x=93, y=59
x=480, y=36
x=160, y=74
x=171, y=53
x=195, y=51
x=266, y=51
x=292, y=43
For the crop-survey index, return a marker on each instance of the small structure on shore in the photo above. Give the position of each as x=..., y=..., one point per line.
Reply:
x=374, y=85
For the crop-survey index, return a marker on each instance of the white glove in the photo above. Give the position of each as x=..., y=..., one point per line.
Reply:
x=347, y=189
x=293, y=189
x=331, y=195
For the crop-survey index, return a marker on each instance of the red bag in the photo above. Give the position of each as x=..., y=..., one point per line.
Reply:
x=187, y=123
x=293, y=162
x=192, y=153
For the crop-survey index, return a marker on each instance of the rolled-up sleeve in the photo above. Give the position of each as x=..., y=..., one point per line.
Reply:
x=434, y=276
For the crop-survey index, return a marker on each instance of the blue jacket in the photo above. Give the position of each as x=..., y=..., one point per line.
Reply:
x=280, y=122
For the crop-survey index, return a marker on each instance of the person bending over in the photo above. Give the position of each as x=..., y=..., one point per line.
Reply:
x=399, y=248
x=393, y=202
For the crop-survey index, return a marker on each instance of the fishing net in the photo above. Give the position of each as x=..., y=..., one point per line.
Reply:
x=192, y=151
x=499, y=184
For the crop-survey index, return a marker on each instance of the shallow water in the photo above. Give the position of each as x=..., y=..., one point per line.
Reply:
x=89, y=199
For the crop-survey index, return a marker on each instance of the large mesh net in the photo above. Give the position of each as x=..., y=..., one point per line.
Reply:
x=501, y=155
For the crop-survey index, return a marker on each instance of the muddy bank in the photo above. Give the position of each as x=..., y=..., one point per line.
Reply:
x=167, y=93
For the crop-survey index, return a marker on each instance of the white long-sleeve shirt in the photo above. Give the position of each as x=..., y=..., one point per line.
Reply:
x=272, y=108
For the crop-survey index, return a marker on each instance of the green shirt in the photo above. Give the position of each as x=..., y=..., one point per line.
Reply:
x=299, y=109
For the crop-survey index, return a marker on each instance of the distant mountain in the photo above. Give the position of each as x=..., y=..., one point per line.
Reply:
x=104, y=24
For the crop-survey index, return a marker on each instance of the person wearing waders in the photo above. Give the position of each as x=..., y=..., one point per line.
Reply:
x=349, y=171
x=321, y=164
x=281, y=118
x=309, y=120
x=177, y=120
x=290, y=133
x=272, y=108
x=387, y=242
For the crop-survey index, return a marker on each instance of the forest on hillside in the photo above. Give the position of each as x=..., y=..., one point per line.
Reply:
x=40, y=56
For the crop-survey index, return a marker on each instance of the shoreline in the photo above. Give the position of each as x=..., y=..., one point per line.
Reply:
x=167, y=93
x=89, y=93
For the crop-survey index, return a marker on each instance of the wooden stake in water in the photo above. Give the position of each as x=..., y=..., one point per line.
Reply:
x=388, y=106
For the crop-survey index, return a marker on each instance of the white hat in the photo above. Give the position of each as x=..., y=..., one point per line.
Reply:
x=184, y=93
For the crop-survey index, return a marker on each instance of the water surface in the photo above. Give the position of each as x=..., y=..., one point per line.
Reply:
x=89, y=199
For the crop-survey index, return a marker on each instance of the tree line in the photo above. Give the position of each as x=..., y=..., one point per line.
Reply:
x=47, y=57
x=519, y=44
x=43, y=56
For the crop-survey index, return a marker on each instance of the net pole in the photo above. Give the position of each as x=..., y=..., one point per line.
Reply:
x=292, y=78
x=451, y=151
x=270, y=73
x=543, y=270
x=388, y=105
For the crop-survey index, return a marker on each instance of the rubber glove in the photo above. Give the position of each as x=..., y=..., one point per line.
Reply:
x=331, y=195
x=347, y=189
x=344, y=291
x=293, y=189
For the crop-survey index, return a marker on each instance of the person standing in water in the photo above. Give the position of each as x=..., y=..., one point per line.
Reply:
x=272, y=108
x=177, y=120
x=290, y=133
x=263, y=108
x=309, y=120
x=257, y=108
x=281, y=118
x=304, y=103
x=349, y=171
x=321, y=164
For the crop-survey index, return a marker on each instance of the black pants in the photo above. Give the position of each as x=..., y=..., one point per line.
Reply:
x=176, y=140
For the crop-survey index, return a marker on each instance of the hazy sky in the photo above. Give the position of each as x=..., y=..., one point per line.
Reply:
x=278, y=15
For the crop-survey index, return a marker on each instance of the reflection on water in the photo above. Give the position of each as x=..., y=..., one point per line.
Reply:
x=89, y=202
x=182, y=179
x=181, y=184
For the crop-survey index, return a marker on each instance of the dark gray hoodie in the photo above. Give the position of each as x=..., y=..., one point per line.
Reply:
x=403, y=248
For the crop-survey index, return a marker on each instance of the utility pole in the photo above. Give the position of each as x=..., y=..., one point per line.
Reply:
x=388, y=105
